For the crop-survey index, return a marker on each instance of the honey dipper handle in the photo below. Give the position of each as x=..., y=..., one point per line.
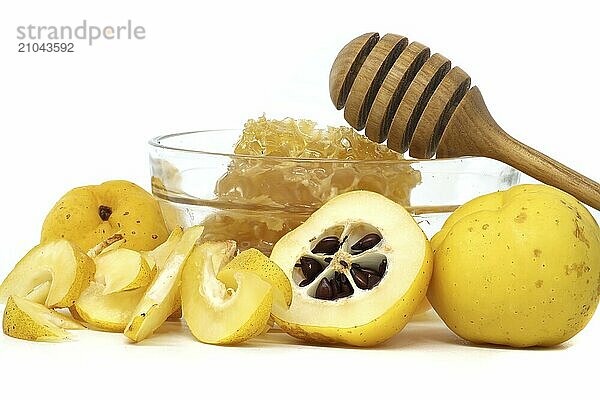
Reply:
x=549, y=171
x=472, y=131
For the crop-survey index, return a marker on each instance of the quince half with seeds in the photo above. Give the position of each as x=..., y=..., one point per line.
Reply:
x=359, y=269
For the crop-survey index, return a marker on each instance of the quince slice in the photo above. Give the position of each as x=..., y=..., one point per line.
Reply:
x=64, y=266
x=253, y=260
x=121, y=270
x=359, y=269
x=158, y=257
x=39, y=293
x=161, y=298
x=223, y=312
x=112, y=311
x=24, y=319
x=108, y=312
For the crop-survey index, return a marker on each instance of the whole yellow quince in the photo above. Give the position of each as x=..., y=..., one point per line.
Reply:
x=518, y=268
x=90, y=214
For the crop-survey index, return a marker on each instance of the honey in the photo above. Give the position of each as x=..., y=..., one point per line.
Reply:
x=304, y=166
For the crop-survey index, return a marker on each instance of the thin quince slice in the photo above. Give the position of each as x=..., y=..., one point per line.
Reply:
x=68, y=270
x=107, y=312
x=39, y=293
x=223, y=312
x=161, y=298
x=156, y=258
x=111, y=243
x=119, y=284
x=24, y=319
x=121, y=270
x=253, y=260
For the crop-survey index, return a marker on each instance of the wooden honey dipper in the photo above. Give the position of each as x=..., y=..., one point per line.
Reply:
x=398, y=92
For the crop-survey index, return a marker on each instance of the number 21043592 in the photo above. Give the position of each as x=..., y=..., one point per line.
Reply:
x=46, y=47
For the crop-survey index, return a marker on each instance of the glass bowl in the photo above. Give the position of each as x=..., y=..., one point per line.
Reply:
x=255, y=200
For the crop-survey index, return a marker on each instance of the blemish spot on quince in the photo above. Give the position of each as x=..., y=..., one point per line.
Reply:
x=579, y=234
x=579, y=268
x=537, y=253
x=539, y=283
x=522, y=217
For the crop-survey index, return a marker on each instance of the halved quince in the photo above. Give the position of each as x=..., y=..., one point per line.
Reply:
x=87, y=215
x=359, y=268
x=223, y=305
x=54, y=273
x=24, y=319
x=162, y=298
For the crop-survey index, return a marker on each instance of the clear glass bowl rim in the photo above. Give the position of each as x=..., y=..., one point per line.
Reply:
x=155, y=142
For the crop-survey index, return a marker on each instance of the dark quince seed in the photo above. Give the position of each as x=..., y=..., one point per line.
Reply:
x=324, y=290
x=347, y=288
x=343, y=263
x=340, y=285
x=336, y=285
x=343, y=279
x=344, y=293
x=305, y=282
x=360, y=278
x=365, y=278
x=335, y=289
x=367, y=270
x=338, y=280
x=305, y=260
x=382, y=267
x=347, y=291
x=327, y=259
x=367, y=242
x=310, y=267
x=328, y=245
x=373, y=280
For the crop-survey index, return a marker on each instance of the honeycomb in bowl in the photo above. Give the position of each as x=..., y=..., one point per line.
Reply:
x=304, y=167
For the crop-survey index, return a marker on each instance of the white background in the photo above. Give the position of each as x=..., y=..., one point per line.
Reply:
x=83, y=118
